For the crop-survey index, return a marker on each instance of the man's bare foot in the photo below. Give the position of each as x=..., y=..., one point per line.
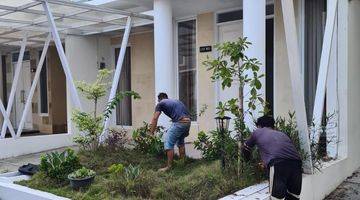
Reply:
x=165, y=169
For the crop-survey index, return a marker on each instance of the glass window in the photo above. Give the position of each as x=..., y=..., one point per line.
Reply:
x=15, y=56
x=124, y=108
x=187, y=65
x=315, y=17
x=43, y=88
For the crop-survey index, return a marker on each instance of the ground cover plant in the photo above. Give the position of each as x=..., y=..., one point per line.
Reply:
x=131, y=174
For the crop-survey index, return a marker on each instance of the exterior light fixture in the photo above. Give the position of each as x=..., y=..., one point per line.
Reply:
x=222, y=124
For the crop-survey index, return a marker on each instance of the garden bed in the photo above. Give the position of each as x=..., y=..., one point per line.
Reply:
x=192, y=179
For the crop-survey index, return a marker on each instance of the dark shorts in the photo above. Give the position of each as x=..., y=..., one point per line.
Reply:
x=286, y=180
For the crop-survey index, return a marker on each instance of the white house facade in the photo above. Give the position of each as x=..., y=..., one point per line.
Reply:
x=309, y=50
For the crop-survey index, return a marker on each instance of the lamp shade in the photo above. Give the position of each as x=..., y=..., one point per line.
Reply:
x=222, y=123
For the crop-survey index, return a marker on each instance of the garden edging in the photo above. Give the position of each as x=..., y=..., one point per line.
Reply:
x=11, y=191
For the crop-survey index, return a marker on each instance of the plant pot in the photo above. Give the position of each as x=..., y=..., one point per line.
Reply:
x=80, y=183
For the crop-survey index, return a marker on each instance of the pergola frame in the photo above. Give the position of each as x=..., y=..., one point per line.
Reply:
x=39, y=24
x=53, y=34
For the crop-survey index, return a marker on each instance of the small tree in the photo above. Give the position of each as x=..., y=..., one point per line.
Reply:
x=233, y=65
x=90, y=122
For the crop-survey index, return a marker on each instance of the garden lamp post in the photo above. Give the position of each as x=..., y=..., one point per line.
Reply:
x=222, y=124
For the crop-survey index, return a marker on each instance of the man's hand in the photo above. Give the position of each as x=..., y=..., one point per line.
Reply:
x=154, y=121
x=261, y=166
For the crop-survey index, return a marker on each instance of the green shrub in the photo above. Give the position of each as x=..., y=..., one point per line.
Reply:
x=289, y=127
x=82, y=173
x=58, y=165
x=211, y=146
x=146, y=143
x=116, y=170
x=90, y=123
x=116, y=139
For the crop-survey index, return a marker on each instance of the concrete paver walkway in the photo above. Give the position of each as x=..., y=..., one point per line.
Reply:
x=13, y=164
x=349, y=189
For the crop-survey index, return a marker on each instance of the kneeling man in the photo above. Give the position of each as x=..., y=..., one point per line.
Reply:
x=279, y=154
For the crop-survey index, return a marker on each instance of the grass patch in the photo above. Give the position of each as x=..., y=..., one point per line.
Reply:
x=192, y=179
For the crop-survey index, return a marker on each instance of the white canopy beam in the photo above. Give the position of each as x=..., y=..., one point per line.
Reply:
x=324, y=66
x=6, y=120
x=14, y=84
x=60, y=49
x=29, y=23
x=33, y=86
x=297, y=82
x=55, y=14
x=117, y=74
x=20, y=8
x=98, y=8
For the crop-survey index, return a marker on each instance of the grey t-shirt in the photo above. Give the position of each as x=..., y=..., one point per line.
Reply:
x=273, y=145
x=173, y=108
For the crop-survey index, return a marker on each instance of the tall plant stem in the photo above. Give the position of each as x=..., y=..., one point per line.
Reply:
x=95, y=108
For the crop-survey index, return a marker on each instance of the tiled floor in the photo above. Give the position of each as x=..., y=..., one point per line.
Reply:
x=255, y=192
x=12, y=164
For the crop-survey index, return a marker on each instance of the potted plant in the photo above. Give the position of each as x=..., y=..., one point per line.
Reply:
x=81, y=178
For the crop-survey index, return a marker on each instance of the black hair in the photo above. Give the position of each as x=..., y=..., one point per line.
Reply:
x=162, y=96
x=265, y=121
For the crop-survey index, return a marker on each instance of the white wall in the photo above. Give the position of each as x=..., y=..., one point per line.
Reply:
x=34, y=144
x=84, y=55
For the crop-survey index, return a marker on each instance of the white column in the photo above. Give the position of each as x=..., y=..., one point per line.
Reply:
x=254, y=18
x=165, y=79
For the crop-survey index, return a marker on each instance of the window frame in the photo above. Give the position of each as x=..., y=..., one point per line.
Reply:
x=112, y=66
x=176, y=60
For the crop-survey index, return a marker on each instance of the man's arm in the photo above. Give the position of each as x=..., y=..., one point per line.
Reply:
x=154, y=121
x=247, y=147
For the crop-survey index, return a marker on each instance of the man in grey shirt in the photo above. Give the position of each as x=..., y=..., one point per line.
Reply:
x=280, y=156
x=179, y=129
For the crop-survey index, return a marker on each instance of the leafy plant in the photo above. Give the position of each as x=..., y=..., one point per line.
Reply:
x=116, y=139
x=58, y=165
x=146, y=143
x=82, y=173
x=132, y=173
x=320, y=138
x=289, y=127
x=213, y=146
x=233, y=65
x=91, y=123
x=116, y=170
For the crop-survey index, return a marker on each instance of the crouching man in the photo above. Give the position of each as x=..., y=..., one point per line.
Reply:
x=280, y=156
x=179, y=129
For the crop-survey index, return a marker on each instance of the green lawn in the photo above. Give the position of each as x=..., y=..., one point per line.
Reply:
x=194, y=179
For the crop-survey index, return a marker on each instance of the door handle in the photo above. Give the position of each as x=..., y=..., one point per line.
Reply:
x=22, y=96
